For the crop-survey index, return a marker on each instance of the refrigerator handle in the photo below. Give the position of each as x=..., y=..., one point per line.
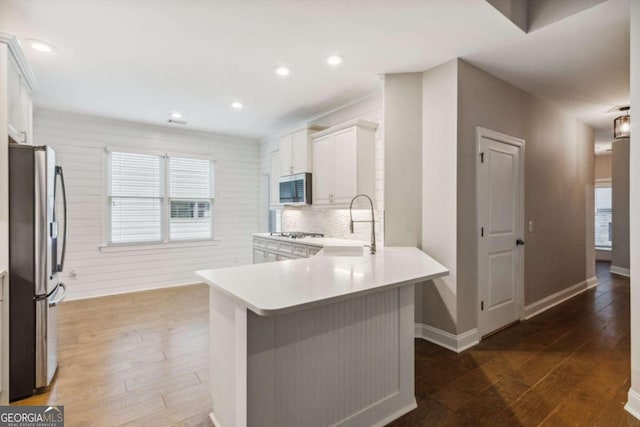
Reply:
x=59, y=298
x=60, y=266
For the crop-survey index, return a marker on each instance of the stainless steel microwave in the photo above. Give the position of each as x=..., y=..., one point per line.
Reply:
x=295, y=189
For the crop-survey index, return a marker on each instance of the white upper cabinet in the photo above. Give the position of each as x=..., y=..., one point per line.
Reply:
x=343, y=163
x=295, y=151
x=274, y=178
x=20, y=81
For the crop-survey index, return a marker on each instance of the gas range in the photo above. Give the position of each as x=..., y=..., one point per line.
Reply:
x=296, y=234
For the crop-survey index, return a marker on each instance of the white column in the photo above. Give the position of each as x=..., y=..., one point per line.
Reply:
x=633, y=404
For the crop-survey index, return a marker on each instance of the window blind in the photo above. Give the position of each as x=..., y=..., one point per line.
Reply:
x=142, y=210
x=135, y=198
x=191, y=198
x=603, y=217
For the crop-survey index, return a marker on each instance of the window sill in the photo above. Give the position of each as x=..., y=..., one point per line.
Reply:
x=156, y=246
x=603, y=249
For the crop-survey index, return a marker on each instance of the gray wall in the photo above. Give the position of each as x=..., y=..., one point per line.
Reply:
x=634, y=206
x=603, y=166
x=402, y=159
x=558, y=192
x=620, y=204
x=557, y=185
x=436, y=301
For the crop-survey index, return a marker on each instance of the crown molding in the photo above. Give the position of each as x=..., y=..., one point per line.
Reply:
x=11, y=40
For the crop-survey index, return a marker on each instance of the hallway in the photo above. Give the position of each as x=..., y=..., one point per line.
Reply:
x=569, y=366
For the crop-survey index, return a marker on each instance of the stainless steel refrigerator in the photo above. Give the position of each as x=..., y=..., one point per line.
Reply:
x=35, y=263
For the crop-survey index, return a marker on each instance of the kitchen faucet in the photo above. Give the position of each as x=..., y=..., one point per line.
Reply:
x=372, y=221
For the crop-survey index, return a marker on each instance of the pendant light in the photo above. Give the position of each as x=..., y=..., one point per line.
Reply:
x=622, y=125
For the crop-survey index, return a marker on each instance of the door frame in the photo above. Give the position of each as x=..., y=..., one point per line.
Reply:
x=481, y=133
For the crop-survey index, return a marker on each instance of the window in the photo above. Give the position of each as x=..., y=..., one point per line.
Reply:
x=156, y=199
x=603, y=215
x=275, y=220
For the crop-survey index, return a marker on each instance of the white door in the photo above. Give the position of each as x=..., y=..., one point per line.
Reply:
x=345, y=163
x=274, y=188
x=286, y=160
x=300, y=151
x=322, y=170
x=500, y=217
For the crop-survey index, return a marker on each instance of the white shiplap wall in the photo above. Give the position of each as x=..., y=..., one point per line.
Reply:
x=80, y=143
x=335, y=222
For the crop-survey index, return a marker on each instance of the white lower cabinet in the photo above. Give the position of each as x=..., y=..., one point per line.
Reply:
x=270, y=250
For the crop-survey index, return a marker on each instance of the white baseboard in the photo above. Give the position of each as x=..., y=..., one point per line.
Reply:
x=633, y=403
x=103, y=293
x=620, y=270
x=552, y=300
x=214, y=420
x=457, y=343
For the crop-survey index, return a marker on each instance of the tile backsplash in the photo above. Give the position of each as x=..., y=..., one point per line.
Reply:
x=332, y=222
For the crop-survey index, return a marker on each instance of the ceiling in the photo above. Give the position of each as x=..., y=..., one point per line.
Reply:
x=142, y=59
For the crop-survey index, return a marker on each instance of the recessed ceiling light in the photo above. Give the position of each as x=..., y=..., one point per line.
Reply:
x=41, y=46
x=237, y=105
x=283, y=71
x=334, y=60
x=176, y=115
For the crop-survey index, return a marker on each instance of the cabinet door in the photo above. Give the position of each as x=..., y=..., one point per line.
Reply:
x=258, y=256
x=300, y=152
x=26, y=111
x=345, y=163
x=274, y=178
x=14, y=95
x=270, y=257
x=322, y=170
x=286, y=165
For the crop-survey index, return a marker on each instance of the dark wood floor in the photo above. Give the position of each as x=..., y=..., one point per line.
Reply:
x=141, y=359
x=569, y=366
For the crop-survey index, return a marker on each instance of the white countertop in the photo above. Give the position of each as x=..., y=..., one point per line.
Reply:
x=314, y=241
x=286, y=286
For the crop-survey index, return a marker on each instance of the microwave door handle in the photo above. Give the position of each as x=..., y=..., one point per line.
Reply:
x=66, y=218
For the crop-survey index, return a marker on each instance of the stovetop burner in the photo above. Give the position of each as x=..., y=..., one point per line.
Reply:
x=296, y=234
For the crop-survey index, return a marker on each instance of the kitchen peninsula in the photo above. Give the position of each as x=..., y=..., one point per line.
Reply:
x=325, y=340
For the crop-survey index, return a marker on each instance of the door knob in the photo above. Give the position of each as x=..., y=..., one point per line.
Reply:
x=520, y=242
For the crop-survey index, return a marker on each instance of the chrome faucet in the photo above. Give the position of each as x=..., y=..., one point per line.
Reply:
x=372, y=221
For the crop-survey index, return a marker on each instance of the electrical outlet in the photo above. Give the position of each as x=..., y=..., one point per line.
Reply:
x=530, y=226
x=73, y=273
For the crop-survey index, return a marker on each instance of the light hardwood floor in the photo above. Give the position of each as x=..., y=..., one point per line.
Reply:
x=138, y=359
x=141, y=359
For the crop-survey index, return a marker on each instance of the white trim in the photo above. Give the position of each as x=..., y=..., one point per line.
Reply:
x=633, y=403
x=100, y=294
x=125, y=247
x=394, y=416
x=481, y=133
x=214, y=420
x=552, y=300
x=620, y=271
x=345, y=125
x=11, y=40
x=457, y=343
x=111, y=123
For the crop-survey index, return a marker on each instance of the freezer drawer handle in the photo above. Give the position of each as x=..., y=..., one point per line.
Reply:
x=59, y=299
